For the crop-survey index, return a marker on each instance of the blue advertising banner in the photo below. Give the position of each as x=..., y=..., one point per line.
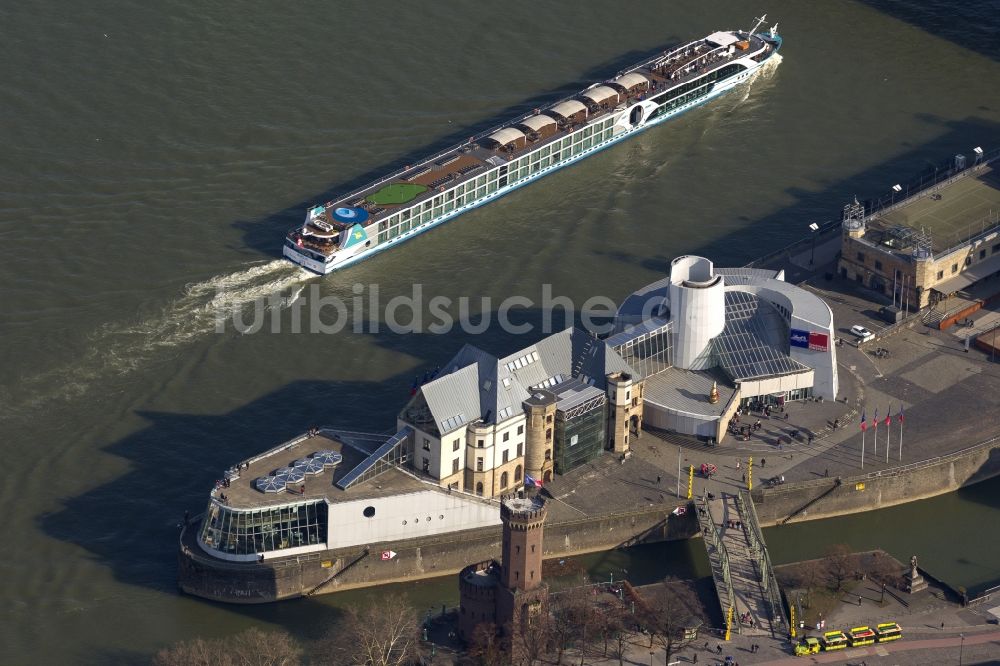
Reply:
x=798, y=338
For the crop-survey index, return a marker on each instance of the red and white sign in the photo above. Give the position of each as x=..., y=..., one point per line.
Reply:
x=819, y=341
x=388, y=555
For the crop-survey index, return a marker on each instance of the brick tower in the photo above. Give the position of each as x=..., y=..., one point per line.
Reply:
x=538, y=459
x=522, y=594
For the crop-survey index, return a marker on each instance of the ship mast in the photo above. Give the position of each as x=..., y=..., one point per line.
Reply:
x=760, y=20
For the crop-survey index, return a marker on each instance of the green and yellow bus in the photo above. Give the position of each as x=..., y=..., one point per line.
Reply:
x=888, y=631
x=860, y=636
x=834, y=640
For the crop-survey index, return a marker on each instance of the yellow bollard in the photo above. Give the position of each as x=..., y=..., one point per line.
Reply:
x=690, y=481
x=750, y=473
x=729, y=622
x=791, y=623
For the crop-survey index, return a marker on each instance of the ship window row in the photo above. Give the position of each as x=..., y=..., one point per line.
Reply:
x=261, y=530
x=488, y=183
x=717, y=75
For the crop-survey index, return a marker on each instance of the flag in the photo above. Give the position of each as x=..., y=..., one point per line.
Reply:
x=864, y=421
x=875, y=419
x=888, y=416
x=531, y=481
x=901, y=413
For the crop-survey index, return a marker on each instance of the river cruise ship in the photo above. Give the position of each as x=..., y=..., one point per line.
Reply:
x=489, y=165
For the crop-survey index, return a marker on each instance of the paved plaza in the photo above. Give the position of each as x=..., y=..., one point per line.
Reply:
x=942, y=390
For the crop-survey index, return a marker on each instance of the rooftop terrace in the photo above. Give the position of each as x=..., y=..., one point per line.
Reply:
x=242, y=494
x=951, y=214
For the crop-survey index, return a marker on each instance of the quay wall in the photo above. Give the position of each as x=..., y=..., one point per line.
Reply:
x=830, y=497
x=347, y=568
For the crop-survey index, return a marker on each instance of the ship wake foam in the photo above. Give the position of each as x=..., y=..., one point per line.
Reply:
x=119, y=349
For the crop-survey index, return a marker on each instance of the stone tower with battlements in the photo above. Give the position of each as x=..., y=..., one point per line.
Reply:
x=522, y=595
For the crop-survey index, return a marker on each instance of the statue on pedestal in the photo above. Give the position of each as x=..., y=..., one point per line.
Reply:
x=914, y=581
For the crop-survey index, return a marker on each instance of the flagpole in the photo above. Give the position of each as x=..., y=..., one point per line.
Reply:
x=875, y=435
x=900, y=441
x=888, y=432
x=862, y=448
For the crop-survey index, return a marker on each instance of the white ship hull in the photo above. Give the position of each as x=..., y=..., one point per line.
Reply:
x=315, y=262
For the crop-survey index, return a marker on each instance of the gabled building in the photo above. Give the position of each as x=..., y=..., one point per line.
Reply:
x=483, y=424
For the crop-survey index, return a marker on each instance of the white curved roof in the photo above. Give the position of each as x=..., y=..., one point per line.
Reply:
x=538, y=122
x=631, y=80
x=600, y=93
x=568, y=108
x=506, y=135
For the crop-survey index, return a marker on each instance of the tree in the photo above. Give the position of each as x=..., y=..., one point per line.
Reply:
x=673, y=608
x=838, y=564
x=531, y=640
x=485, y=647
x=566, y=611
x=811, y=575
x=384, y=633
x=618, y=627
x=252, y=647
x=883, y=569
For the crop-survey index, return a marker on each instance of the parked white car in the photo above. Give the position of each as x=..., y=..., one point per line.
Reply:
x=861, y=332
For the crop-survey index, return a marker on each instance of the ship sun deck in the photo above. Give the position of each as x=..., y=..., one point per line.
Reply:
x=533, y=131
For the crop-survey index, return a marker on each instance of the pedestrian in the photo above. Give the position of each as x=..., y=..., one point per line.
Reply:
x=737, y=463
x=744, y=478
x=718, y=649
x=859, y=601
x=762, y=462
x=694, y=660
x=826, y=472
x=657, y=479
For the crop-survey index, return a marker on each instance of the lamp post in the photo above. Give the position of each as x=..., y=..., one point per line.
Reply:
x=961, y=649
x=812, y=255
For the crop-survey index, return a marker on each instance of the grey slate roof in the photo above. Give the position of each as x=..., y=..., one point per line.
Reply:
x=476, y=385
x=687, y=391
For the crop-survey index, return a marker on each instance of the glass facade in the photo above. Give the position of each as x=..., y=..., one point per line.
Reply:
x=648, y=354
x=252, y=531
x=580, y=435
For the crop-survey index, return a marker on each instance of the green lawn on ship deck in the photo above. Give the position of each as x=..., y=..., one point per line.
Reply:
x=396, y=193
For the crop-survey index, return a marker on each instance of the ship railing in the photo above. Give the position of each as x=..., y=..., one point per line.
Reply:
x=480, y=135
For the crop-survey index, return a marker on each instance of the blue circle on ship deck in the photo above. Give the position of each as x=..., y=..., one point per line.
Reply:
x=309, y=465
x=271, y=484
x=356, y=215
x=328, y=457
